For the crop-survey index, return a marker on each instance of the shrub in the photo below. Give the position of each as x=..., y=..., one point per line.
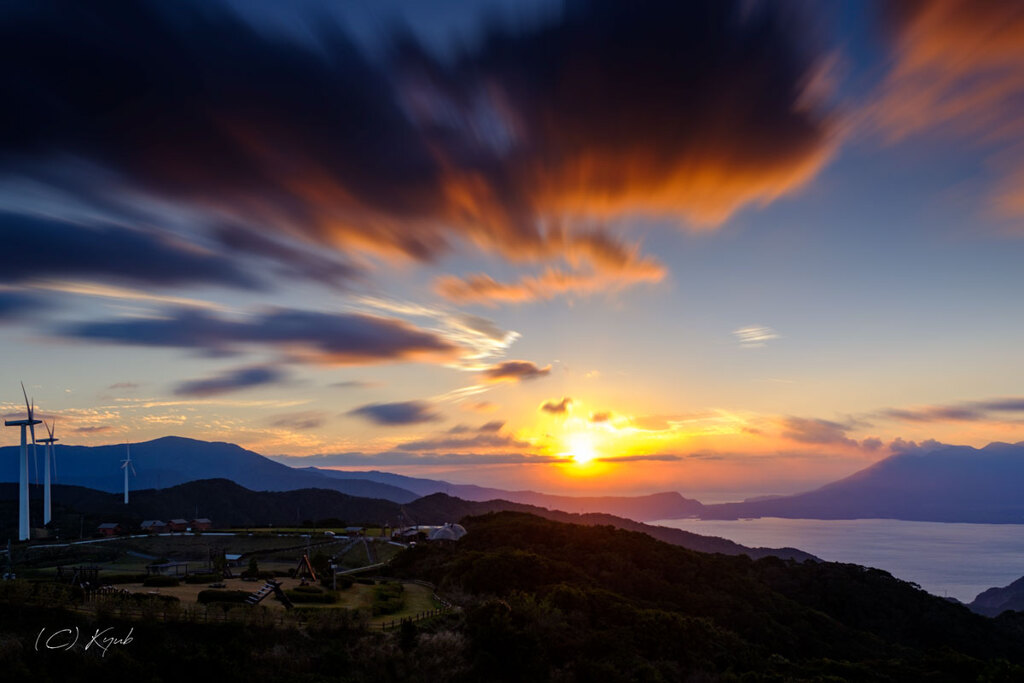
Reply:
x=123, y=578
x=388, y=598
x=147, y=598
x=212, y=595
x=160, y=581
x=320, y=598
x=203, y=578
x=308, y=589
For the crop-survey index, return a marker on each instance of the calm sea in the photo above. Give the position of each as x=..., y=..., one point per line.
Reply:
x=955, y=560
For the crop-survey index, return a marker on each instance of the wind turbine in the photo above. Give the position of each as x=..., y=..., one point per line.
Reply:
x=125, y=464
x=30, y=422
x=51, y=453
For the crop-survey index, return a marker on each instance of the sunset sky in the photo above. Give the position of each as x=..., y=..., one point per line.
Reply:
x=714, y=247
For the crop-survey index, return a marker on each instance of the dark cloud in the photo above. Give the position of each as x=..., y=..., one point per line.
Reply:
x=16, y=305
x=1003, y=404
x=291, y=261
x=602, y=416
x=98, y=429
x=109, y=253
x=301, y=421
x=327, y=338
x=486, y=428
x=653, y=457
x=557, y=407
x=232, y=380
x=971, y=411
x=705, y=455
x=514, y=371
x=483, y=441
x=686, y=109
x=400, y=413
x=936, y=414
x=123, y=385
x=815, y=431
x=351, y=384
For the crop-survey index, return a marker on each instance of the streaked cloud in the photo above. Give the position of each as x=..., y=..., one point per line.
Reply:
x=301, y=421
x=958, y=68
x=652, y=457
x=306, y=336
x=398, y=413
x=754, y=336
x=306, y=141
x=232, y=380
x=401, y=459
x=970, y=411
x=109, y=253
x=479, y=441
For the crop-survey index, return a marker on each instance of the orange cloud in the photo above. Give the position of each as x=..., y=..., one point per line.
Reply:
x=690, y=110
x=483, y=289
x=959, y=65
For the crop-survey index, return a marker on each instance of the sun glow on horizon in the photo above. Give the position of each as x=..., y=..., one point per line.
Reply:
x=581, y=448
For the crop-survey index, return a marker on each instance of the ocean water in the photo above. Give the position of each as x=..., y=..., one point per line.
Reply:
x=954, y=560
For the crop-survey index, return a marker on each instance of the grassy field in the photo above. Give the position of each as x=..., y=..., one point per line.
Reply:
x=358, y=596
x=125, y=556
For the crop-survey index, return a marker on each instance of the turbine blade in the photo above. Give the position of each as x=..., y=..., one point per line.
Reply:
x=133, y=470
x=25, y=394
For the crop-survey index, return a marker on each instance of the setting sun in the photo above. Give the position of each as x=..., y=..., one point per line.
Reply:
x=581, y=448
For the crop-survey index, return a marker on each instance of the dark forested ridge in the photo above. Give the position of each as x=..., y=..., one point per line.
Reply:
x=546, y=601
x=553, y=601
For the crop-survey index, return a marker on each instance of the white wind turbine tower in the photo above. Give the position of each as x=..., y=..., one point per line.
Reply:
x=30, y=422
x=125, y=464
x=50, y=455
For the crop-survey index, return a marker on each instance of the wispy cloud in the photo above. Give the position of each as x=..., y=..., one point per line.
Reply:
x=754, y=336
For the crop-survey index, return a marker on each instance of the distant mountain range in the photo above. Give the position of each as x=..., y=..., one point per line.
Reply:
x=174, y=460
x=668, y=505
x=227, y=504
x=945, y=484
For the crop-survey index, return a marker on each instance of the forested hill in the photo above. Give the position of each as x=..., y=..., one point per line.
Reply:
x=547, y=600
